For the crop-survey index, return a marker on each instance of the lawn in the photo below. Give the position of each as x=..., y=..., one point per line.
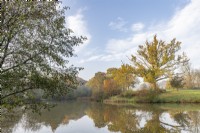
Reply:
x=181, y=96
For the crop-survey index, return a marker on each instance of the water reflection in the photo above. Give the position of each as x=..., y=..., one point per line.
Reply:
x=93, y=117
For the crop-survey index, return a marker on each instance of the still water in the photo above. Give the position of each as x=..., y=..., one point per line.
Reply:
x=87, y=117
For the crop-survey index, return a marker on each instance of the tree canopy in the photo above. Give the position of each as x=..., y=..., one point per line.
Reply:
x=116, y=80
x=124, y=76
x=177, y=82
x=157, y=60
x=34, y=49
x=96, y=84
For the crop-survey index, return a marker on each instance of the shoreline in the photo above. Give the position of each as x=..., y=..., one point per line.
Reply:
x=180, y=97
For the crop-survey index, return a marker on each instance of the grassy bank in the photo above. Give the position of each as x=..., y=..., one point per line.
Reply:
x=119, y=99
x=181, y=96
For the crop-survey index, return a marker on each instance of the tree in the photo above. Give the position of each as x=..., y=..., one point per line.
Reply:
x=34, y=49
x=197, y=78
x=124, y=76
x=191, y=77
x=168, y=85
x=188, y=74
x=157, y=60
x=177, y=82
x=104, y=85
x=96, y=85
x=110, y=87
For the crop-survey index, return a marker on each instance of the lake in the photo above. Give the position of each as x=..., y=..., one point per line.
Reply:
x=89, y=117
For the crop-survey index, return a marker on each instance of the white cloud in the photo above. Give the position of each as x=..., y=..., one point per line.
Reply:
x=92, y=58
x=118, y=24
x=137, y=27
x=78, y=25
x=115, y=46
x=184, y=25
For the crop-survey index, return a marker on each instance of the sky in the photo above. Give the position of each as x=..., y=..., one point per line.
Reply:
x=115, y=28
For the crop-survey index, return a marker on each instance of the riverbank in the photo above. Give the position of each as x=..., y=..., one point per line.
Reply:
x=181, y=96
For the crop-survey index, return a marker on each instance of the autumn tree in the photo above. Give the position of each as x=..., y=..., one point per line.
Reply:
x=188, y=75
x=110, y=72
x=157, y=60
x=124, y=76
x=34, y=49
x=110, y=85
x=191, y=76
x=96, y=85
x=112, y=82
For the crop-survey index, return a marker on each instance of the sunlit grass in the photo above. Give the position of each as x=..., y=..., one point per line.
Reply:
x=181, y=96
x=173, y=96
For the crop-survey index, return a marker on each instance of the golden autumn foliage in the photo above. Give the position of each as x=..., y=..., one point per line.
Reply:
x=110, y=87
x=157, y=60
x=96, y=85
x=124, y=77
x=104, y=85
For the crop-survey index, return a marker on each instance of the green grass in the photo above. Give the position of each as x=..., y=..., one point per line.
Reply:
x=181, y=96
x=119, y=99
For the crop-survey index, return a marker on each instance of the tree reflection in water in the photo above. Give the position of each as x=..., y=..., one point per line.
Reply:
x=147, y=119
x=125, y=119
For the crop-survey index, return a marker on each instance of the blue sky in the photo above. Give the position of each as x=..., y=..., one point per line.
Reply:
x=115, y=28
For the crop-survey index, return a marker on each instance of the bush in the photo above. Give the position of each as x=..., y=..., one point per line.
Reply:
x=148, y=96
x=144, y=95
x=111, y=92
x=128, y=94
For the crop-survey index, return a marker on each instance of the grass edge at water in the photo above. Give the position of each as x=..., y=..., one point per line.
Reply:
x=181, y=96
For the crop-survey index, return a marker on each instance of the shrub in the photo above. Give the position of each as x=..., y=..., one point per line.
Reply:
x=128, y=94
x=148, y=96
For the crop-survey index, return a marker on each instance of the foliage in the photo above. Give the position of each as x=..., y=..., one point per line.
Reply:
x=34, y=48
x=188, y=76
x=116, y=80
x=177, y=82
x=147, y=96
x=191, y=77
x=168, y=85
x=124, y=77
x=157, y=60
x=128, y=94
x=196, y=78
x=96, y=85
x=110, y=88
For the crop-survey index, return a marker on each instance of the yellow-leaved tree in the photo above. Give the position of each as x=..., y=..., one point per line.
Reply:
x=124, y=77
x=157, y=60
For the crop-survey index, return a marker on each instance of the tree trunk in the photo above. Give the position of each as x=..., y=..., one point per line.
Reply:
x=155, y=87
